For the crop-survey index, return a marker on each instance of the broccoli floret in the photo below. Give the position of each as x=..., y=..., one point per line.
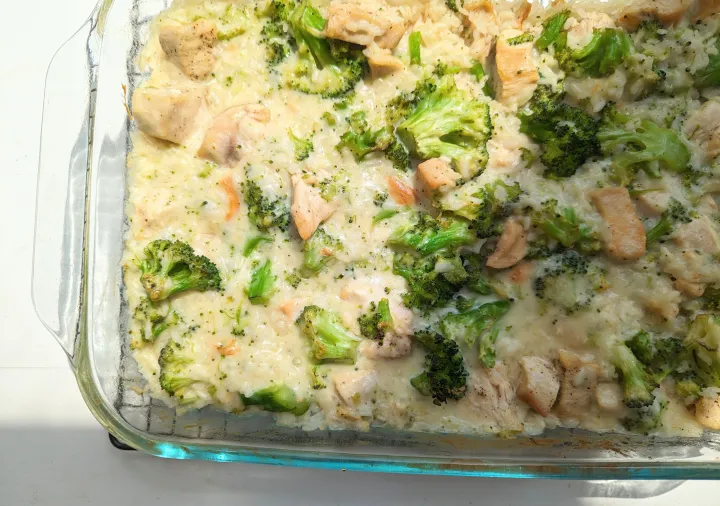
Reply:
x=605, y=52
x=361, y=140
x=477, y=280
x=646, y=419
x=325, y=67
x=237, y=320
x=452, y=5
x=428, y=235
x=444, y=376
x=711, y=298
x=565, y=227
x=480, y=324
x=428, y=285
x=176, y=377
x=491, y=205
x=398, y=154
x=647, y=147
x=277, y=399
x=275, y=33
x=170, y=267
x=567, y=280
x=262, y=284
x=317, y=378
x=552, y=27
x=710, y=75
x=637, y=383
x=449, y=122
x=660, y=356
x=377, y=321
x=154, y=319
x=568, y=135
x=675, y=213
x=263, y=211
x=253, y=243
x=702, y=343
x=318, y=251
x=330, y=340
x=303, y=146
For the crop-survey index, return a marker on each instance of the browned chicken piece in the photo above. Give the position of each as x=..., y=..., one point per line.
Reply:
x=703, y=128
x=392, y=346
x=707, y=8
x=667, y=11
x=697, y=235
x=230, y=130
x=365, y=22
x=539, y=384
x=167, y=113
x=577, y=389
x=190, y=47
x=308, y=208
x=491, y=394
x=707, y=413
x=653, y=203
x=689, y=288
x=609, y=397
x=511, y=248
x=435, y=173
x=521, y=272
x=517, y=76
x=400, y=192
x=627, y=234
x=381, y=61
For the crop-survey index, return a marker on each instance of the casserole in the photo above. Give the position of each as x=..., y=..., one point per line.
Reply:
x=79, y=298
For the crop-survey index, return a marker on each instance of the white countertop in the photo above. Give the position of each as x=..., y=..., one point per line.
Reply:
x=52, y=451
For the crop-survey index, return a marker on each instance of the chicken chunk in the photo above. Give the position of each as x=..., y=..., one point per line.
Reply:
x=308, y=208
x=381, y=61
x=190, y=47
x=707, y=8
x=167, y=113
x=400, y=192
x=436, y=173
x=627, y=234
x=365, y=22
x=577, y=389
x=231, y=130
x=707, y=413
x=697, y=235
x=653, y=203
x=483, y=26
x=539, y=384
x=517, y=76
x=689, y=288
x=667, y=11
x=511, y=248
x=703, y=128
x=609, y=397
x=491, y=394
x=355, y=390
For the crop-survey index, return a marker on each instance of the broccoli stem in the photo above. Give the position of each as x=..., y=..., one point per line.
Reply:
x=262, y=284
x=414, y=41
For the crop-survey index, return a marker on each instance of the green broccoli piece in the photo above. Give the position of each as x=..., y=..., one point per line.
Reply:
x=444, y=376
x=383, y=215
x=275, y=35
x=414, y=42
x=480, y=324
x=317, y=378
x=521, y=39
x=711, y=298
x=637, y=383
x=361, y=140
x=568, y=281
x=253, y=243
x=478, y=72
x=377, y=321
x=428, y=285
x=660, y=356
x=176, y=377
x=702, y=343
x=402, y=105
x=263, y=211
x=428, y=235
x=154, y=319
x=492, y=204
x=552, y=27
x=675, y=213
x=398, y=154
x=646, y=419
x=277, y=399
x=452, y=5
x=710, y=75
x=170, y=267
x=239, y=323
x=477, y=280
x=568, y=135
x=318, y=251
x=607, y=50
x=647, y=147
x=303, y=146
x=325, y=67
x=449, y=122
x=565, y=227
x=330, y=340
x=262, y=284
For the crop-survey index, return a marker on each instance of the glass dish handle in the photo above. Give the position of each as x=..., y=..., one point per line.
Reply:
x=65, y=151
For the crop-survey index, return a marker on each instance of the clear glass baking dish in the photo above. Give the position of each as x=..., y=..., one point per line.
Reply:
x=77, y=291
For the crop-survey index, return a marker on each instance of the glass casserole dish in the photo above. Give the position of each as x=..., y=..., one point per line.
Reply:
x=78, y=294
